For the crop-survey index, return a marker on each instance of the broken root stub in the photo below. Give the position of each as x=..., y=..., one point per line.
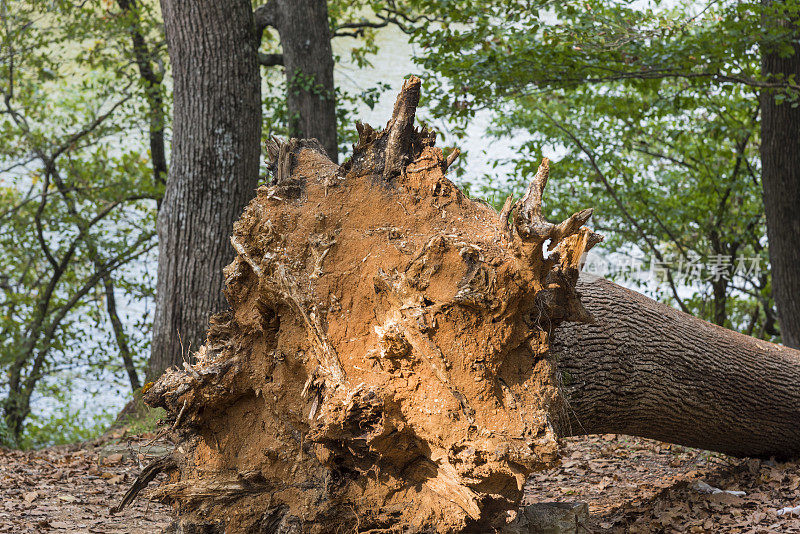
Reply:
x=384, y=363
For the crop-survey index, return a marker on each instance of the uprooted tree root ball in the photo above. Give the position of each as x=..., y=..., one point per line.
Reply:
x=384, y=365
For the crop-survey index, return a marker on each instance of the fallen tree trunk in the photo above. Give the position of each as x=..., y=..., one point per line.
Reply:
x=645, y=369
x=386, y=364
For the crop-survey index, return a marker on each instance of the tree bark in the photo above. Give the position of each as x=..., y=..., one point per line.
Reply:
x=780, y=177
x=645, y=369
x=308, y=59
x=214, y=165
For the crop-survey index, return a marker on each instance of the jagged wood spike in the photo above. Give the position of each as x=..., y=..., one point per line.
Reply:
x=366, y=135
x=592, y=240
x=401, y=128
x=532, y=201
x=531, y=224
x=284, y=164
x=451, y=158
x=568, y=227
x=273, y=149
x=529, y=221
x=504, y=214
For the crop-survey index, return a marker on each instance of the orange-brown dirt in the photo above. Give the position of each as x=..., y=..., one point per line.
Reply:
x=384, y=365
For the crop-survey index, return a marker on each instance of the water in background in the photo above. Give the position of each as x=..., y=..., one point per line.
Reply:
x=391, y=65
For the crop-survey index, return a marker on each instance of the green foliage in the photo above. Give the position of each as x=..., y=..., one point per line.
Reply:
x=651, y=110
x=78, y=207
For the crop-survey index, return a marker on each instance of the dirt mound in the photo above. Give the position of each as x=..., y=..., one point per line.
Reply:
x=384, y=364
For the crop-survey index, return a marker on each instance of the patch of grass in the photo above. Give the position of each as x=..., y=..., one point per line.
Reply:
x=62, y=427
x=146, y=421
x=137, y=417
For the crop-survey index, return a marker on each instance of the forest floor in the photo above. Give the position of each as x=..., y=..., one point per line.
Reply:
x=631, y=485
x=636, y=485
x=70, y=488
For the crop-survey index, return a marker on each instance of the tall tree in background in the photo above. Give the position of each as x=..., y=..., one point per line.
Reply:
x=780, y=161
x=305, y=39
x=214, y=165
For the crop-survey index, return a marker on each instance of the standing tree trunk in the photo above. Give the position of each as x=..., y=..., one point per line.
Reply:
x=214, y=166
x=308, y=60
x=780, y=175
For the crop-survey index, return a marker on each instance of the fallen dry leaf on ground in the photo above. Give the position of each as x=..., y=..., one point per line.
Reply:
x=631, y=485
x=61, y=490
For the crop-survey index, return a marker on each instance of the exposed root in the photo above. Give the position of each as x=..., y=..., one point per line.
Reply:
x=147, y=475
x=386, y=350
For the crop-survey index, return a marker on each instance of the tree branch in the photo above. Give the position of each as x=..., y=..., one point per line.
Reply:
x=119, y=332
x=266, y=16
x=361, y=24
x=358, y=28
x=388, y=14
x=38, y=220
x=89, y=128
x=270, y=60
